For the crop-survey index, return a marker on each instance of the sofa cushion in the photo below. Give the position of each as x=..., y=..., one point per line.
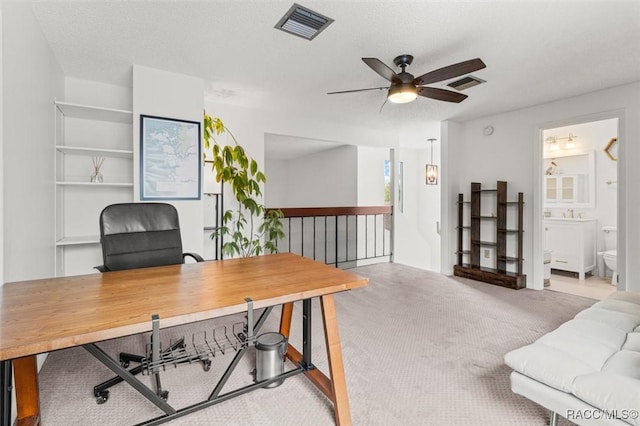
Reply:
x=633, y=342
x=595, y=356
x=617, y=313
x=626, y=363
x=615, y=393
x=548, y=365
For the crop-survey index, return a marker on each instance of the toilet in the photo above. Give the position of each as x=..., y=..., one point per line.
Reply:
x=609, y=255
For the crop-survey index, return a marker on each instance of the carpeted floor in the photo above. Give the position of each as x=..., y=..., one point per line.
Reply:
x=419, y=349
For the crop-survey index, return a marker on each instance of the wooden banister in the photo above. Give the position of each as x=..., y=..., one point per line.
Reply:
x=333, y=211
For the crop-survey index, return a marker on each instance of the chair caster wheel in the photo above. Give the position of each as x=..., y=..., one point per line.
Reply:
x=164, y=395
x=206, y=365
x=124, y=363
x=102, y=397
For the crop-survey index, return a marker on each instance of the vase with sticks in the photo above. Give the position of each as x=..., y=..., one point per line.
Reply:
x=96, y=176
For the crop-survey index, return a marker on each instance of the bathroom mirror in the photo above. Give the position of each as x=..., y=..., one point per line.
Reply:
x=569, y=179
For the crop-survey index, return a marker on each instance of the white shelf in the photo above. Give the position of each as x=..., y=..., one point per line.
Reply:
x=109, y=184
x=75, y=194
x=95, y=113
x=90, y=152
x=75, y=241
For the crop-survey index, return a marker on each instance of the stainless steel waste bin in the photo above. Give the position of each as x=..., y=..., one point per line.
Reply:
x=270, y=350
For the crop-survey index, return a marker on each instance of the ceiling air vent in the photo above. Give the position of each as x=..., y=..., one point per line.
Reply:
x=465, y=83
x=303, y=22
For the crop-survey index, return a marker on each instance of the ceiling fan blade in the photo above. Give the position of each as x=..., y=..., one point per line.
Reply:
x=441, y=94
x=378, y=66
x=357, y=90
x=451, y=71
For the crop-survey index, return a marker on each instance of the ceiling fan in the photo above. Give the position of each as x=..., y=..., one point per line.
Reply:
x=406, y=88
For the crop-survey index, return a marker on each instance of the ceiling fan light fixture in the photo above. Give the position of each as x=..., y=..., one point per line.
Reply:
x=402, y=93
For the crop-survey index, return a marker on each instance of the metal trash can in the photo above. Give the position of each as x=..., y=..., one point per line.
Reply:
x=270, y=350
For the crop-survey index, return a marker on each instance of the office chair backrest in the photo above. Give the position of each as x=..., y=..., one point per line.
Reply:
x=140, y=235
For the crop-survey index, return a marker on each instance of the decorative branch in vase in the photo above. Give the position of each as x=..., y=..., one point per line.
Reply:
x=233, y=166
x=96, y=177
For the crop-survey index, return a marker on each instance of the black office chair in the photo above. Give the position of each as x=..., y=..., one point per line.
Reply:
x=140, y=235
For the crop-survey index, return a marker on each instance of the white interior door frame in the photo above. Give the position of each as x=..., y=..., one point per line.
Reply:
x=538, y=233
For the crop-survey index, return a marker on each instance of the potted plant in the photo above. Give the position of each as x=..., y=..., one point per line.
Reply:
x=241, y=234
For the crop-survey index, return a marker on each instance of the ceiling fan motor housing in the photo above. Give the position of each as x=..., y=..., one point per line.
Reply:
x=403, y=60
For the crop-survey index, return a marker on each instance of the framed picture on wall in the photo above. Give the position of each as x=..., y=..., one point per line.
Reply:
x=170, y=159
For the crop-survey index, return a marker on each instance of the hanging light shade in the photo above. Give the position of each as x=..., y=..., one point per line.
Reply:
x=402, y=93
x=431, y=169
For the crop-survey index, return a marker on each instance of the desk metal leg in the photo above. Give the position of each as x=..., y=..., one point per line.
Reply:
x=128, y=377
x=239, y=354
x=5, y=397
x=306, y=335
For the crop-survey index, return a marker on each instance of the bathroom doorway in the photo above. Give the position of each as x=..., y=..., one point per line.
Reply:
x=579, y=199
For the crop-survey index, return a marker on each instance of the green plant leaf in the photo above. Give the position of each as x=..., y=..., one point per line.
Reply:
x=232, y=166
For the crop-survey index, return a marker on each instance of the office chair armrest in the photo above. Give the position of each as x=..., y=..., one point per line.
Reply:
x=101, y=268
x=195, y=256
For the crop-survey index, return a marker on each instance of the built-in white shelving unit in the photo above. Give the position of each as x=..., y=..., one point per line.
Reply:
x=77, y=150
x=82, y=133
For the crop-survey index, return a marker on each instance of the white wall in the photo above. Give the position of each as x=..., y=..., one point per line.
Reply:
x=417, y=222
x=370, y=180
x=1, y=156
x=276, y=171
x=171, y=95
x=451, y=184
x=513, y=153
x=32, y=79
x=342, y=176
x=323, y=179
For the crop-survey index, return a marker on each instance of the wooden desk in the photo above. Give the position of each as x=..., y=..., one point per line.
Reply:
x=49, y=314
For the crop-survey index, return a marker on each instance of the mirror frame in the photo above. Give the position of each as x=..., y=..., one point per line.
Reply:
x=590, y=179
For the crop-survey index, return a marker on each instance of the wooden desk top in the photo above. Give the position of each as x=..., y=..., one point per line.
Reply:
x=44, y=315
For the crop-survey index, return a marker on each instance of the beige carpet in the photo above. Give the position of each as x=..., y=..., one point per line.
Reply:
x=419, y=349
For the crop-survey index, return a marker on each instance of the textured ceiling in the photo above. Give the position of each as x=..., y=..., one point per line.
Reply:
x=535, y=51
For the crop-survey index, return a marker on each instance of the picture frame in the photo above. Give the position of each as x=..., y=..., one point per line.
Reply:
x=170, y=159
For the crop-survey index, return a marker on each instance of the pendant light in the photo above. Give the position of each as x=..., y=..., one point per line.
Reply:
x=431, y=169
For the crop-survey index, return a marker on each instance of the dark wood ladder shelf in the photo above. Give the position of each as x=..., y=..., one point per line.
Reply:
x=472, y=269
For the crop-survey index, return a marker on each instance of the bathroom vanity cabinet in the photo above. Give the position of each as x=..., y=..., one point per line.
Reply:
x=572, y=243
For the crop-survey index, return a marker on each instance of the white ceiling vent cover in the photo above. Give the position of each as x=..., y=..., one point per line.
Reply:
x=303, y=22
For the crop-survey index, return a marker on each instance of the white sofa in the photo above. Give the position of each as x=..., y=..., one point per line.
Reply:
x=588, y=369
